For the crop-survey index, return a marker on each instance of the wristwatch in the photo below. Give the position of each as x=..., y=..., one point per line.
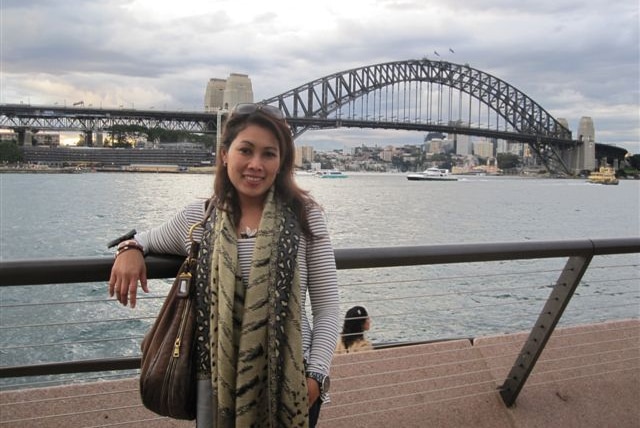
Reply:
x=323, y=380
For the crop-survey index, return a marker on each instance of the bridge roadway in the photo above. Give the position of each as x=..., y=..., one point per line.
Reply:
x=22, y=117
x=451, y=384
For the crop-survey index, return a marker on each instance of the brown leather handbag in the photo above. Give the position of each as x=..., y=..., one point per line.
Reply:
x=168, y=367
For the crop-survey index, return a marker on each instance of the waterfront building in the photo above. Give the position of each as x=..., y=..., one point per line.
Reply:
x=462, y=144
x=108, y=157
x=304, y=154
x=501, y=146
x=180, y=145
x=483, y=149
x=387, y=154
x=349, y=151
x=438, y=145
x=515, y=147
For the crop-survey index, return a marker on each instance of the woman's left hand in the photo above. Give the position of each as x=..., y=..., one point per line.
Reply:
x=313, y=390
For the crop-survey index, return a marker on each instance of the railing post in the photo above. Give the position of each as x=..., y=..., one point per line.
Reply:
x=544, y=326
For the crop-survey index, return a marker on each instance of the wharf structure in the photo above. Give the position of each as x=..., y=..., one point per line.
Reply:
x=110, y=157
x=585, y=375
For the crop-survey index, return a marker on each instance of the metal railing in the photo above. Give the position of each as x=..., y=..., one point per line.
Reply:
x=579, y=254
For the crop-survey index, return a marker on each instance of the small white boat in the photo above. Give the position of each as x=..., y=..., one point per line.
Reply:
x=330, y=174
x=432, y=174
x=303, y=172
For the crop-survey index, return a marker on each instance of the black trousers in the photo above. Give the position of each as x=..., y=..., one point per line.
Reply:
x=314, y=413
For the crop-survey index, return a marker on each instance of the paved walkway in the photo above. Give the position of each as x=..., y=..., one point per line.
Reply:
x=588, y=376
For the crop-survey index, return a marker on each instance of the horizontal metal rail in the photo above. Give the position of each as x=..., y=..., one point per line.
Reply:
x=95, y=269
x=578, y=252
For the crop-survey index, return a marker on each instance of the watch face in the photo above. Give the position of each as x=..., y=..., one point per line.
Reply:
x=323, y=381
x=326, y=384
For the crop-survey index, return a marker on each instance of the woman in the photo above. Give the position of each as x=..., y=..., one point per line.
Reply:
x=356, y=322
x=263, y=249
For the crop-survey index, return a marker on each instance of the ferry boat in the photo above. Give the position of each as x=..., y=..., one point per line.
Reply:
x=605, y=175
x=301, y=172
x=432, y=174
x=331, y=174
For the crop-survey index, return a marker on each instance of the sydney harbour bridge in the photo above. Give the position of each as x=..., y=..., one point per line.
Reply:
x=415, y=95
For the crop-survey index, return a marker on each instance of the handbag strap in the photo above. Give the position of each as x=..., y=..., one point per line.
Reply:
x=195, y=245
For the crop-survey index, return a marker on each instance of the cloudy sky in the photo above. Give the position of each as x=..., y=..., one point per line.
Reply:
x=574, y=57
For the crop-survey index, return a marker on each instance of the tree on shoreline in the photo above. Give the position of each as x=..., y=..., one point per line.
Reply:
x=9, y=152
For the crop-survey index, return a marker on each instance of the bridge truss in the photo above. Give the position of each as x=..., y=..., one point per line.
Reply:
x=75, y=119
x=425, y=95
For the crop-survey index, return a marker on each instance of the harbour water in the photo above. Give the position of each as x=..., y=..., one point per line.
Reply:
x=60, y=215
x=75, y=215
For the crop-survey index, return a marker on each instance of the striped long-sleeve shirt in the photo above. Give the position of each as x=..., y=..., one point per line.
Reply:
x=316, y=264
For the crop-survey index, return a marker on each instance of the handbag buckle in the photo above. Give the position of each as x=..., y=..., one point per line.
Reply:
x=184, y=280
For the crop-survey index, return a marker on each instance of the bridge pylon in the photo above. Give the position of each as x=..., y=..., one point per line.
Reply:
x=88, y=138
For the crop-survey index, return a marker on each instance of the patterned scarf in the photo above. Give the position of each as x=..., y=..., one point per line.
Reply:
x=255, y=340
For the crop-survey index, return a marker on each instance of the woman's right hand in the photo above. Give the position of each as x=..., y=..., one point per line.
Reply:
x=128, y=268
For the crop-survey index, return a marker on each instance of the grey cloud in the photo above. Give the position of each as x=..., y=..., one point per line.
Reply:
x=574, y=57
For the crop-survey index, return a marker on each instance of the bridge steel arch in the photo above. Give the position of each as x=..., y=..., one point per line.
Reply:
x=319, y=104
x=314, y=104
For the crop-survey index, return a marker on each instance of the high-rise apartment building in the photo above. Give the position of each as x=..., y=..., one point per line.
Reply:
x=463, y=144
x=304, y=154
x=483, y=149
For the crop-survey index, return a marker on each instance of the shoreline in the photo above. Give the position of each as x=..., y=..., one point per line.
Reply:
x=79, y=170
x=166, y=169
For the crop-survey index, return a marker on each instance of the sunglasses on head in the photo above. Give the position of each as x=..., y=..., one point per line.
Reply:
x=248, y=108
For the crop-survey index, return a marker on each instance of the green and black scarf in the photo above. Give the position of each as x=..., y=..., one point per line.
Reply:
x=249, y=341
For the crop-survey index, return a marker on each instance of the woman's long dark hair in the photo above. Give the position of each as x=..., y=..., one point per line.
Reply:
x=287, y=191
x=353, y=328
